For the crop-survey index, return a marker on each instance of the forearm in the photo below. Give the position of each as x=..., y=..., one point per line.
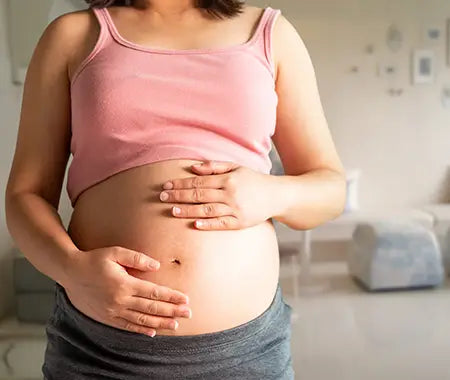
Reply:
x=306, y=201
x=39, y=233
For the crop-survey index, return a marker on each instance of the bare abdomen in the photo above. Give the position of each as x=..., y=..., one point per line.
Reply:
x=229, y=276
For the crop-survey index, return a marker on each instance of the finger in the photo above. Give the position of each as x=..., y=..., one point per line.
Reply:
x=146, y=289
x=163, y=309
x=207, y=181
x=194, y=195
x=134, y=259
x=220, y=223
x=205, y=210
x=214, y=167
x=147, y=320
x=125, y=324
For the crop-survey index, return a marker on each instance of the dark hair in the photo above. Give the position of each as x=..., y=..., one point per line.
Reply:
x=218, y=8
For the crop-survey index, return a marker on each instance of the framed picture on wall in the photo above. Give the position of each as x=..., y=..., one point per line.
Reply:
x=423, y=66
x=433, y=34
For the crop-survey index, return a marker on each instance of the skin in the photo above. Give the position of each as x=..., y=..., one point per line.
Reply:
x=101, y=261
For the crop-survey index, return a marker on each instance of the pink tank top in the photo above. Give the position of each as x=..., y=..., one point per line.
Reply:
x=133, y=105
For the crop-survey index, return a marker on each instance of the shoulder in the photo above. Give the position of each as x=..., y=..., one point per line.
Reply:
x=69, y=31
x=71, y=36
x=285, y=34
x=288, y=45
x=70, y=25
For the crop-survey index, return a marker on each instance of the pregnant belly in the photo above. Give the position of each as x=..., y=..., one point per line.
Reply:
x=229, y=276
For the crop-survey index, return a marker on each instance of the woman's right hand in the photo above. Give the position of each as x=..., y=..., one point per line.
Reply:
x=101, y=288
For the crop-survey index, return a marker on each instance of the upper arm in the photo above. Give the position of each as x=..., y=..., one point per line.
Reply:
x=43, y=139
x=302, y=137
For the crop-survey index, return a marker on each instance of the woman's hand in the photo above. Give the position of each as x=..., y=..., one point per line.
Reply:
x=101, y=288
x=228, y=196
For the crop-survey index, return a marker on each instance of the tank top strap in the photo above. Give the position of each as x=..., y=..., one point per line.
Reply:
x=103, y=37
x=102, y=19
x=264, y=33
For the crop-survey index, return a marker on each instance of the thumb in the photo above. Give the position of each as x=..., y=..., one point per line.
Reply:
x=134, y=259
x=214, y=167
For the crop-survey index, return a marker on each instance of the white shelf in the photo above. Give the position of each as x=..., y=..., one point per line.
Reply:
x=22, y=349
x=10, y=327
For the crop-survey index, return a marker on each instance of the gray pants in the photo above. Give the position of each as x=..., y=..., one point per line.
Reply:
x=79, y=347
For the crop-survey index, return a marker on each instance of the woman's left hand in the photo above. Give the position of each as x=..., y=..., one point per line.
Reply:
x=225, y=195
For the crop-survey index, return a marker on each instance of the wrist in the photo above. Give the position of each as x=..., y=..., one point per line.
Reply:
x=277, y=193
x=69, y=263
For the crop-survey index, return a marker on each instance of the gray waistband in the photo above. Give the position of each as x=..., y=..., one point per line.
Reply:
x=105, y=335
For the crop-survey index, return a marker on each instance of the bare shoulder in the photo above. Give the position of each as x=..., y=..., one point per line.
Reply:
x=73, y=34
x=67, y=29
x=283, y=26
x=284, y=30
x=288, y=45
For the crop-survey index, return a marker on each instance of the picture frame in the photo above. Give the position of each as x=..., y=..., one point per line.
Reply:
x=432, y=34
x=423, y=66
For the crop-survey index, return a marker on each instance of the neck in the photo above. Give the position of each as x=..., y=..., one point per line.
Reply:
x=166, y=7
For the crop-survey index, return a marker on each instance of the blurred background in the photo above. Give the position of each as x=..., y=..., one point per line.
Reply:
x=369, y=289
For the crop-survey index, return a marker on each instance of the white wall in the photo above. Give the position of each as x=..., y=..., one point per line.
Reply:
x=26, y=21
x=10, y=97
x=402, y=144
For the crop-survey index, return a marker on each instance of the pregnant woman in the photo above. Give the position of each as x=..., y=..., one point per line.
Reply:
x=169, y=108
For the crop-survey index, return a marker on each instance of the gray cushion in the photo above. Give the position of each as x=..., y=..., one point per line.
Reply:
x=28, y=279
x=387, y=254
x=34, y=307
x=446, y=249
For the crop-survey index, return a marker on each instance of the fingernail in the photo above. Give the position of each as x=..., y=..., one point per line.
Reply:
x=154, y=264
x=174, y=324
x=152, y=334
x=164, y=196
x=198, y=223
x=185, y=312
x=168, y=185
x=176, y=210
